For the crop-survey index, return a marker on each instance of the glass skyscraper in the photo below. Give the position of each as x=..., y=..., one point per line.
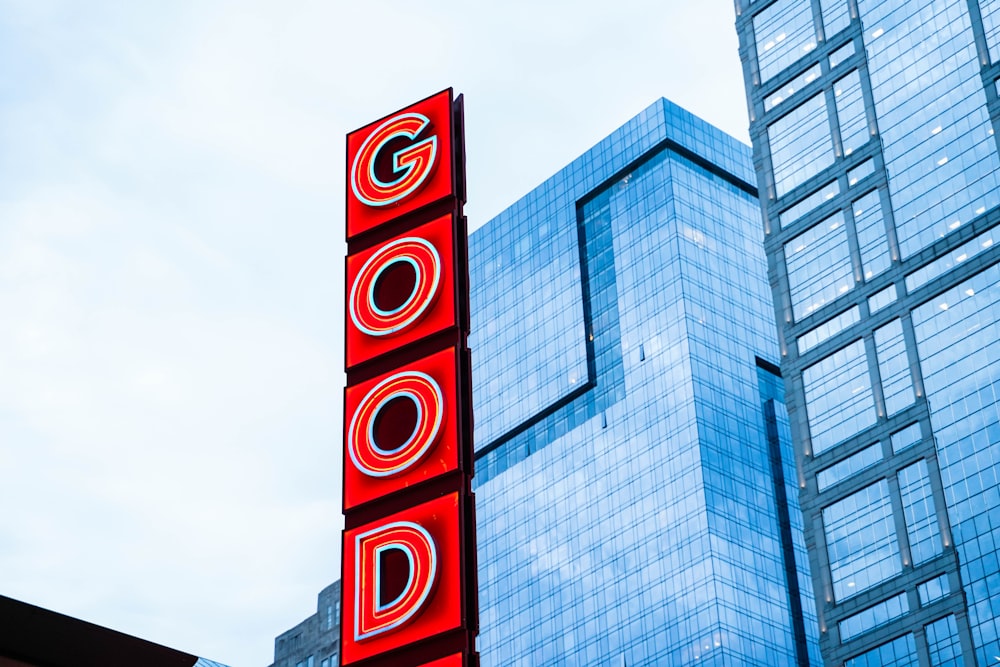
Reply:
x=636, y=488
x=874, y=124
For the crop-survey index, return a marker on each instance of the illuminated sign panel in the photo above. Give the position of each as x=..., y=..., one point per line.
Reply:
x=402, y=428
x=409, y=595
x=400, y=164
x=401, y=291
x=407, y=578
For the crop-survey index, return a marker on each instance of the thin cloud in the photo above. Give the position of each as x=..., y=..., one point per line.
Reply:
x=171, y=269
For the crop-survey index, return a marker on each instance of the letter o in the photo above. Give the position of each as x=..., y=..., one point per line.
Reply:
x=367, y=455
x=423, y=258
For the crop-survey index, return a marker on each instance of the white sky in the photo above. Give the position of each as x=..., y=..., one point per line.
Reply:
x=171, y=225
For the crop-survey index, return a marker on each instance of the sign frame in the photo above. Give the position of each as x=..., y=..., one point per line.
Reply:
x=407, y=337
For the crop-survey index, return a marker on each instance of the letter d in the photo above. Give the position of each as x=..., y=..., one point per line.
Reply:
x=385, y=557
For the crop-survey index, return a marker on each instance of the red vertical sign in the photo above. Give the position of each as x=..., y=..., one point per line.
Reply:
x=409, y=590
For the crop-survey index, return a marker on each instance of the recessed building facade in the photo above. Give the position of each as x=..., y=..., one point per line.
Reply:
x=635, y=485
x=873, y=124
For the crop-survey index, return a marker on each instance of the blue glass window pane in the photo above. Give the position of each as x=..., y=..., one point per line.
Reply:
x=861, y=541
x=789, y=89
x=880, y=300
x=933, y=590
x=942, y=265
x=849, y=467
x=841, y=54
x=839, y=399
x=937, y=140
x=873, y=617
x=958, y=342
x=836, y=16
x=792, y=214
x=784, y=33
x=894, y=367
x=828, y=329
x=692, y=291
x=918, y=510
x=943, y=643
x=990, y=10
x=900, y=652
x=906, y=437
x=818, y=262
x=529, y=337
x=851, y=113
x=801, y=144
x=864, y=169
x=870, y=227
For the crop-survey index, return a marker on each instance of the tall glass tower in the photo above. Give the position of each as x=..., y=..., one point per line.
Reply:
x=873, y=123
x=636, y=490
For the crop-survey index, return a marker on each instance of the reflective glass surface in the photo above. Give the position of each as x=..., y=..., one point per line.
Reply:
x=836, y=16
x=549, y=302
x=905, y=438
x=943, y=643
x=864, y=169
x=841, y=54
x=869, y=225
x=874, y=616
x=861, y=541
x=831, y=327
x=936, y=135
x=958, y=341
x=819, y=266
x=943, y=264
x=839, y=400
x=784, y=33
x=850, y=466
x=920, y=78
x=893, y=367
x=901, y=652
x=804, y=619
x=793, y=213
x=990, y=10
x=649, y=517
x=801, y=144
x=788, y=89
x=933, y=590
x=918, y=510
x=880, y=300
x=851, y=112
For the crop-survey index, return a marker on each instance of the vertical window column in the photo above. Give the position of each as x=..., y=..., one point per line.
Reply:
x=894, y=367
x=919, y=512
x=869, y=224
x=851, y=114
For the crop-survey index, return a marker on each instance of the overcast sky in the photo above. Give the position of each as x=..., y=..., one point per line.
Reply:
x=171, y=259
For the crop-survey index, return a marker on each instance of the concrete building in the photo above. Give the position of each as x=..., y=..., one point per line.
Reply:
x=315, y=642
